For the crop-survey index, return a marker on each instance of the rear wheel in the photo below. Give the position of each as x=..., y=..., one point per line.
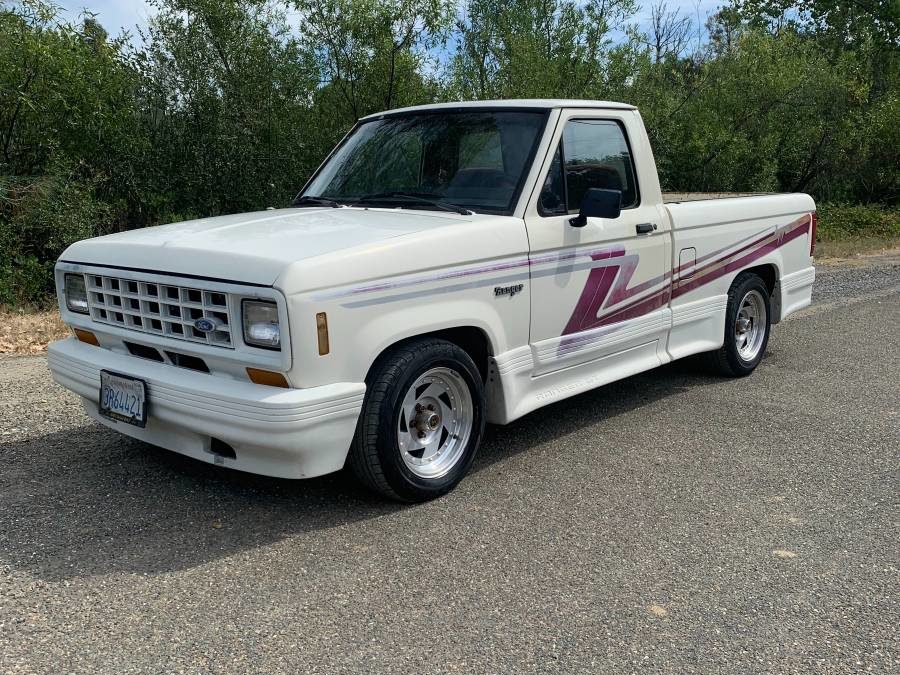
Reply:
x=421, y=423
x=747, y=326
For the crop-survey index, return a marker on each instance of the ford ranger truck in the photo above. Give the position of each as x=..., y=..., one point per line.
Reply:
x=446, y=266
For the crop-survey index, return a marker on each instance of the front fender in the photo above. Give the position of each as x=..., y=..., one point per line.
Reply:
x=360, y=330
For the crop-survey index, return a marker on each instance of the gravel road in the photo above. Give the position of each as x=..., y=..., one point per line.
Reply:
x=673, y=522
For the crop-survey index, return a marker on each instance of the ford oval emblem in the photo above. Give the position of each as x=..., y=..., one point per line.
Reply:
x=205, y=325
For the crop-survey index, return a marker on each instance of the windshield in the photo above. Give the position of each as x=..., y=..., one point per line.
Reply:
x=473, y=160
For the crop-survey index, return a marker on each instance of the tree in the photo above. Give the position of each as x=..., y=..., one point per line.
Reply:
x=860, y=39
x=226, y=102
x=669, y=32
x=534, y=48
x=67, y=125
x=842, y=21
x=724, y=28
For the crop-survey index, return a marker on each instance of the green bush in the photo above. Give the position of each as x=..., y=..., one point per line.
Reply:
x=39, y=218
x=24, y=281
x=858, y=221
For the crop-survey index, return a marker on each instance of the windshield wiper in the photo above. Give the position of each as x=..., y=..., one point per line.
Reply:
x=420, y=197
x=306, y=200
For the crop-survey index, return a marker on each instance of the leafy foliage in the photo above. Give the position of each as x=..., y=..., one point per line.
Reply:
x=840, y=221
x=229, y=105
x=369, y=56
x=535, y=48
x=223, y=108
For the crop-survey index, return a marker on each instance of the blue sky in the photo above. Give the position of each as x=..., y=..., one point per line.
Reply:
x=113, y=15
x=116, y=15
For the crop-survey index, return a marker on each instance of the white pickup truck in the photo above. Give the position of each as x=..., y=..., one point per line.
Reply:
x=446, y=266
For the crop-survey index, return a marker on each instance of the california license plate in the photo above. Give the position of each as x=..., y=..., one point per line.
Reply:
x=123, y=398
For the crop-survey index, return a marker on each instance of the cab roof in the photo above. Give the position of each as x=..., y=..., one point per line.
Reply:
x=506, y=104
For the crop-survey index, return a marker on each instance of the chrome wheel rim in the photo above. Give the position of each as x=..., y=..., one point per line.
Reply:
x=750, y=325
x=435, y=422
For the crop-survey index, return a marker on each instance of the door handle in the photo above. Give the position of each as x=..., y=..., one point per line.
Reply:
x=645, y=228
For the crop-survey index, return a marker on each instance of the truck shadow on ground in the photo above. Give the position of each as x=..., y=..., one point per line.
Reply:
x=87, y=501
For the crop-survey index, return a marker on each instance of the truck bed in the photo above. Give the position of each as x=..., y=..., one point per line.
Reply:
x=676, y=197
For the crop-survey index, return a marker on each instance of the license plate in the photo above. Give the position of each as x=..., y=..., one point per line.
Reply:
x=123, y=398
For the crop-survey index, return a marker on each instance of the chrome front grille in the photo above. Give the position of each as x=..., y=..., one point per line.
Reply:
x=160, y=309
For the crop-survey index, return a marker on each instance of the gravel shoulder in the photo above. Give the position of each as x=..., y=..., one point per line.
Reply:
x=672, y=522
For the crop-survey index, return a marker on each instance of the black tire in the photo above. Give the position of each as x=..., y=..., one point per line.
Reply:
x=727, y=360
x=375, y=455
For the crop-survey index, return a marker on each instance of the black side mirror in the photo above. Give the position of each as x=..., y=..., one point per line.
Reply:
x=598, y=203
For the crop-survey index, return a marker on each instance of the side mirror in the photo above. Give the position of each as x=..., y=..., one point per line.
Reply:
x=598, y=203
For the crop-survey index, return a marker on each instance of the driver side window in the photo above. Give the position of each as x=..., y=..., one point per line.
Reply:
x=591, y=154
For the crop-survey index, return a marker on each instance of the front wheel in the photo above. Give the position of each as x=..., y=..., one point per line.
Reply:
x=421, y=423
x=747, y=326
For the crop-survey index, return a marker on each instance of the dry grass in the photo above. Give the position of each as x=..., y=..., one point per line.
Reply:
x=849, y=248
x=29, y=331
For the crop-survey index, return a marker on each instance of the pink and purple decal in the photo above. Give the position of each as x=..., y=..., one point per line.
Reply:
x=606, y=298
x=606, y=289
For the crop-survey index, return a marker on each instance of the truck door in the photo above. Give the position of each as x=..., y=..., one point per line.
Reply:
x=600, y=292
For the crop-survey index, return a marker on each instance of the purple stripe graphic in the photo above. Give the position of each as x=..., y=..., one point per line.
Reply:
x=742, y=257
x=760, y=236
x=595, y=254
x=608, y=286
x=607, y=282
x=456, y=274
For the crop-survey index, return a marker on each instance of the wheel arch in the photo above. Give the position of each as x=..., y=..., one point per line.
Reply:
x=770, y=273
x=472, y=339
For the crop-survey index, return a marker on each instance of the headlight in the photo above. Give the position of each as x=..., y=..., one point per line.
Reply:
x=76, y=295
x=261, y=324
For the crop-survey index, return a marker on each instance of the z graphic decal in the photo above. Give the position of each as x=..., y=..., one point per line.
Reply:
x=607, y=286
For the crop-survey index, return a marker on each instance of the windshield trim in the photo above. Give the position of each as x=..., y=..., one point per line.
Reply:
x=526, y=168
x=455, y=111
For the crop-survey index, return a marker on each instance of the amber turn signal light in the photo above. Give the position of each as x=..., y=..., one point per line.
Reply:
x=267, y=377
x=86, y=336
x=322, y=330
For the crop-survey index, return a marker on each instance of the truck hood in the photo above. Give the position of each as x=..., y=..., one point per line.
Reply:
x=252, y=247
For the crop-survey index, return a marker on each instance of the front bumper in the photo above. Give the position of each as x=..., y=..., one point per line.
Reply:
x=287, y=433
